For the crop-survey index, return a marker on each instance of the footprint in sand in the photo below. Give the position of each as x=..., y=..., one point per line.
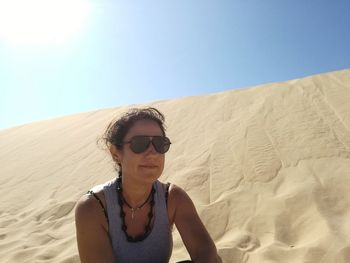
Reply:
x=247, y=242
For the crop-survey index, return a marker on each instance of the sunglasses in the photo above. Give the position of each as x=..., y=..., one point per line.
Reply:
x=139, y=144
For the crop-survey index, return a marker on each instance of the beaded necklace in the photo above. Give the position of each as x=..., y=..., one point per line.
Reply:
x=122, y=201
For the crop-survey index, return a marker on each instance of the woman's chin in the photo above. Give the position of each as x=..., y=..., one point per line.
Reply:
x=150, y=175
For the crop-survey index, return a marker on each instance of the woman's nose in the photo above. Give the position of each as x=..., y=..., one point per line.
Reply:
x=151, y=148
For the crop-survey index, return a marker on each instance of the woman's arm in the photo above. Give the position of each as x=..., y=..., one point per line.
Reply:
x=92, y=235
x=196, y=238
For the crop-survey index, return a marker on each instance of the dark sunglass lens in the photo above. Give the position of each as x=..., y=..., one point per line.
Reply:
x=161, y=144
x=139, y=144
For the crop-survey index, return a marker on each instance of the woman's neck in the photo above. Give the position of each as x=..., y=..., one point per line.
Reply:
x=135, y=193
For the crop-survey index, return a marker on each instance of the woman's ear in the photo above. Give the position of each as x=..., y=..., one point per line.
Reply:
x=114, y=153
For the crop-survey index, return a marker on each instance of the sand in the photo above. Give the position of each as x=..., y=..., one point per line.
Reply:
x=268, y=168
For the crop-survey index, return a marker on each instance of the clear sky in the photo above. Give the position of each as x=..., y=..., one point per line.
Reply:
x=59, y=57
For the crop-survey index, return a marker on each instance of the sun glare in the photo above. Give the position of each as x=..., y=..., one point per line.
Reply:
x=37, y=22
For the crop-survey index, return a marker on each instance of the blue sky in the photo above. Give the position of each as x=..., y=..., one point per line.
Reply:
x=83, y=55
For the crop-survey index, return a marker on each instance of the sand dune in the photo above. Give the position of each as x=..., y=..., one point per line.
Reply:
x=267, y=167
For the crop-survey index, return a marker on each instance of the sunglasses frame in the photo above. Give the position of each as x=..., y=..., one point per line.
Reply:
x=150, y=141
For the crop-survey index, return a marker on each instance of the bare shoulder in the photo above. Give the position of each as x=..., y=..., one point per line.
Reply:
x=178, y=199
x=89, y=211
x=178, y=196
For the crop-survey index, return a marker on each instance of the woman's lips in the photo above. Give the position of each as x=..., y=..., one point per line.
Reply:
x=148, y=166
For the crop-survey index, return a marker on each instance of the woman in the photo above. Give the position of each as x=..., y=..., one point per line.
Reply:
x=130, y=218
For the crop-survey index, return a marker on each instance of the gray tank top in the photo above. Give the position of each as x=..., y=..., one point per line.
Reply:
x=157, y=247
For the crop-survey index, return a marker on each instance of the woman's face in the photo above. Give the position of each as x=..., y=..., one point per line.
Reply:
x=146, y=166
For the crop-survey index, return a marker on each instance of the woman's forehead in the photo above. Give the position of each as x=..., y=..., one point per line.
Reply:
x=144, y=127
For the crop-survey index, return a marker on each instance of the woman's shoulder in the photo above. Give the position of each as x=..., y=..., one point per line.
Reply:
x=86, y=210
x=88, y=203
x=88, y=207
x=96, y=193
x=176, y=192
x=178, y=199
x=177, y=196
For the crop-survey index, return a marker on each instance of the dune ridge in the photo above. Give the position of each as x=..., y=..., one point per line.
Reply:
x=267, y=167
